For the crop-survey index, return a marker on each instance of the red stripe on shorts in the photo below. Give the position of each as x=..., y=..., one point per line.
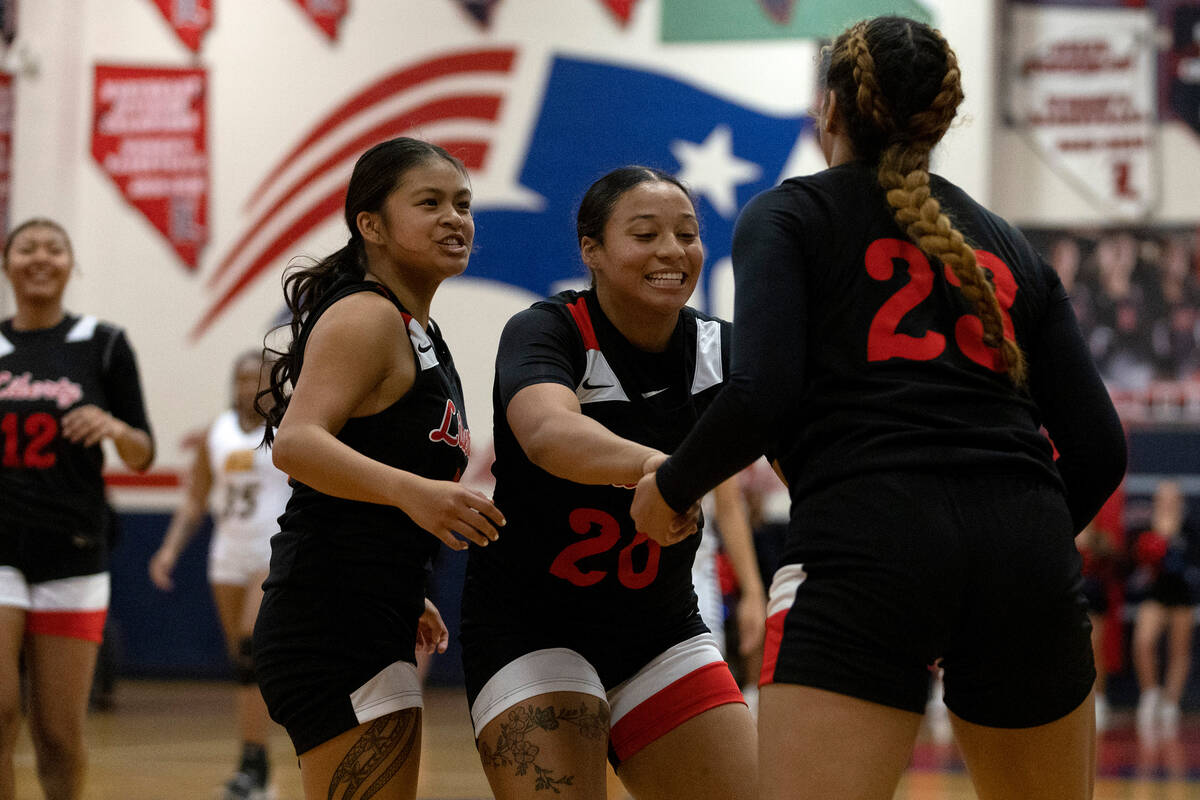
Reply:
x=87, y=625
x=707, y=687
x=771, y=644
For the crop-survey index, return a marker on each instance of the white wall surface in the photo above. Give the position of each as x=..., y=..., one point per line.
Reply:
x=272, y=75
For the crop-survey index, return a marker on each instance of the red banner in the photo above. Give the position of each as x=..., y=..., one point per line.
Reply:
x=325, y=13
x=149, y=134
x=191, y=19
x=6, y=126
x=621, y=9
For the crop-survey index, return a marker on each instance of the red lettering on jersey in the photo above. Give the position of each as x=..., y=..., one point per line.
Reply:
x=40, y=428
x=462, y=439
x=883, y=340
x=584, y=521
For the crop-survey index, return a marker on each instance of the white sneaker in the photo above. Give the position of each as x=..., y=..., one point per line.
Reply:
x=1168, y=715
x=1147, y=714
x=1102, y=713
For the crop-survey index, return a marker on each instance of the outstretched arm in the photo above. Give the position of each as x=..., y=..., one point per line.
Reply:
x=348, y=371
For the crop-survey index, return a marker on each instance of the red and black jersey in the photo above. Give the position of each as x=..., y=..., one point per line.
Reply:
x=326, y=538
x=51, y=486
x=856, y=353
x=569, y=548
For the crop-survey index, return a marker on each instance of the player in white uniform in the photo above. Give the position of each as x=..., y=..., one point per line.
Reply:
x=234, y=478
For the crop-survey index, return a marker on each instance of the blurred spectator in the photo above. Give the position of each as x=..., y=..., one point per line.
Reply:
x=1176, y=331
x=1120, y=339
x=1166, y=579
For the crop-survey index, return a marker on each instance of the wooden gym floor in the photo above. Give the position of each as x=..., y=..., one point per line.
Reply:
x=173, y=741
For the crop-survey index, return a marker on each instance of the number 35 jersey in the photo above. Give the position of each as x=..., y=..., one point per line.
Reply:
x=570, y=551
x=248, y=492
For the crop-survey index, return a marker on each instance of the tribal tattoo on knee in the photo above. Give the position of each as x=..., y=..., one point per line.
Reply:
x=513, y=747
x=380, y=753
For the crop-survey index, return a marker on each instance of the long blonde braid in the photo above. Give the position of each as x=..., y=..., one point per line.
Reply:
x=904, y=175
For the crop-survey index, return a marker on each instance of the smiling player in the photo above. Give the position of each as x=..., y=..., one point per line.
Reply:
x=582, y=638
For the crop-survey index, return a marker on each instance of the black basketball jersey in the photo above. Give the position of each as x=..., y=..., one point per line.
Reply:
x=856, y=352
x=569, y=548
x=328, y=539
x=48, y=484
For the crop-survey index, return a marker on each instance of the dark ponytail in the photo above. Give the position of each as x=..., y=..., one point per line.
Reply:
x=376, y=174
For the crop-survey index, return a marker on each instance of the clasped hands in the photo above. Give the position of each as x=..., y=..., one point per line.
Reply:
x=651, y=514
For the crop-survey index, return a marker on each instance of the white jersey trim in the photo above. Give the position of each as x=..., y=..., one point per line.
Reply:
x=599, y=382
x=83, y=330
x=423, y=345
x=709, y=372
x=6, y=346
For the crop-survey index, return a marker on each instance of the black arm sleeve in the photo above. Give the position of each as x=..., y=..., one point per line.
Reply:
x=123, y=386
x=1076, y=409
x=769, y=345
x=536, y=346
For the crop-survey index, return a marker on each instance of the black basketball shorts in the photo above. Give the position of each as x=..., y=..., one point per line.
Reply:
x=889, y=573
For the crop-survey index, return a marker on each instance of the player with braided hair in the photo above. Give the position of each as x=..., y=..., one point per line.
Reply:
x=899, y=368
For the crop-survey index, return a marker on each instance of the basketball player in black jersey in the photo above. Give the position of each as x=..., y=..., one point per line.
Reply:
x=898, y=350
x=67, y=382
x=374, y=438
x=581, y=637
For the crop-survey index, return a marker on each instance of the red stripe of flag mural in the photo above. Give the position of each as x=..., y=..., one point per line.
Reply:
x=149, y=135
x=330, y=148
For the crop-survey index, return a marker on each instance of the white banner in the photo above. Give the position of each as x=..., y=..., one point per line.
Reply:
x=1082, y=86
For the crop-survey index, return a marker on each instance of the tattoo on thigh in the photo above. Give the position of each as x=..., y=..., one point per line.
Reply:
x=381, y=752
x=513, y=747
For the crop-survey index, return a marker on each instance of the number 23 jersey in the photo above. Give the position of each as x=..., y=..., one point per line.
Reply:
x=572, y=549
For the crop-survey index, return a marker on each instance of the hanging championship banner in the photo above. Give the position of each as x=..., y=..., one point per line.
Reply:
x=1082, y=85
x=191, y=19
x=327, y=14
x=6, y=126
x=480, y=10
x=149, y=135
x=621, y=9
x=1184, y=65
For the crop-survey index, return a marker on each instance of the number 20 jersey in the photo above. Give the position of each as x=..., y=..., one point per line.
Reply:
x=569, y=553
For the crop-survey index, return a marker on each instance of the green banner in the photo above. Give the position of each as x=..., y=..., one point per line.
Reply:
x=727, y=20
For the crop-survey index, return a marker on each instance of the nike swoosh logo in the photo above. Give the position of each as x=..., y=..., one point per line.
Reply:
x=425, y=349
x=587, y=385
x=656, y=391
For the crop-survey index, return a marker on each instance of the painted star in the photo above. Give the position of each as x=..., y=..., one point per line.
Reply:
x=711, y=169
